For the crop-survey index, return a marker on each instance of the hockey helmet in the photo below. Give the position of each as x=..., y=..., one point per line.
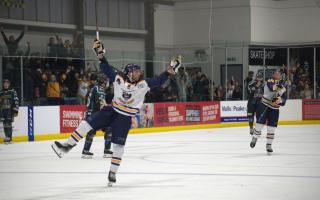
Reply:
x=101, y=78
x=130, y=68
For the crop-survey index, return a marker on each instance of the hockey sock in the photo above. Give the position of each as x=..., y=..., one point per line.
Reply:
x=83, y=128
x=107, y=141
x=89, y=139
x=7, y=130
x=251, y=119
x=257, y=130
x=270, y=134
x=118, y=151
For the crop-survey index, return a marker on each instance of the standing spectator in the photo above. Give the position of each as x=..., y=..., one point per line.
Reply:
x=229, y=91
x=218, y=93
x=82, y=90
x=237, y=94
x=63, y=89
x=52, y=47
x=182, y=81
x=204, y=88
x=12, y=44
x=53, y=91
x=307, y=93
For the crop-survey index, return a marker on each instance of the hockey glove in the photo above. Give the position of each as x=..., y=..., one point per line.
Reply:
x=98, y=48
x=15, y=112
x=277, y=100
x=175, y=64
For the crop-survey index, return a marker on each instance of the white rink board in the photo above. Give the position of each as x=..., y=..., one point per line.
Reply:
x=20, y=123
x=292, y=111
x=46, y=120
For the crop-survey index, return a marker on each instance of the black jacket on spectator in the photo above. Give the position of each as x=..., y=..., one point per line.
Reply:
x=12, y=45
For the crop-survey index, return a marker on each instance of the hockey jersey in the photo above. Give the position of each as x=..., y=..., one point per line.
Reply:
x=274, y=94
x=9, y=104
x=129, y=97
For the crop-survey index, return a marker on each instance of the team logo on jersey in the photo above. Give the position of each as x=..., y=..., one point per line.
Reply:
x=126, y=96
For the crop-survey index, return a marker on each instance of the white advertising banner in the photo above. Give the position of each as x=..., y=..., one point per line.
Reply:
x=233, y=111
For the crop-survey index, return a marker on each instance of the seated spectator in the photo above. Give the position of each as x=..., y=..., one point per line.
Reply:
x=53, y=91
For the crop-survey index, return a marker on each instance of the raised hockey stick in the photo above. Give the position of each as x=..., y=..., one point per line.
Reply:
x=97, y=25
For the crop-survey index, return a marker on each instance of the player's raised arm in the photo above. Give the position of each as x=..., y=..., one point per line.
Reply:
x=173, y=68
x=107, y=69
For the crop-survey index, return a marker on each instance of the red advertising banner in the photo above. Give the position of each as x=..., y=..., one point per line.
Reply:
x=186, y=113
x=310, y=109
x=70, y=117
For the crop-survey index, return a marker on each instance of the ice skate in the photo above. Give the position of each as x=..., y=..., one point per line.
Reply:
x=253, y=142
x=107, y=153
x=86, y=154
x=111, y=178
x=7, y=140
x=61, y=149
x=269, y=149
x=251, y=131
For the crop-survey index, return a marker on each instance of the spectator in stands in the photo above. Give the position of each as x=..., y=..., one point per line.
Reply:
x=82, y=89
x=284, y=72
x=12, y=44
x=237, y=93
x=64, y=90
x=219, y=93
x=307, y=93
x=53, y=91
x=52, y=47
x=229, y=91
x=204, y=88
x=71, y=81
x=182, y=80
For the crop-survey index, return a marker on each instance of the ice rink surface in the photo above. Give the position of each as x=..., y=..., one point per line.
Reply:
x=200, y=164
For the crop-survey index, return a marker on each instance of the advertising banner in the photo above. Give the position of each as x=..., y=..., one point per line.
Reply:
x=186, y=113
x=310, y=109
x=70, y=117
x=233, y=111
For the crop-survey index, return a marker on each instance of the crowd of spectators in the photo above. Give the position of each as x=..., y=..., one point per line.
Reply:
x=300, y=83
x=61, y=78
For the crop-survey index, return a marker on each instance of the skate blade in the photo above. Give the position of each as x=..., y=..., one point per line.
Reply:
x=56, y=150
x=86, y=157
x=107, y=156
x=269, y=153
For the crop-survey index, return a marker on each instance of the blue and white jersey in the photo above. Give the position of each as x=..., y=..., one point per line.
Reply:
x=274, y=89
x=129, y=97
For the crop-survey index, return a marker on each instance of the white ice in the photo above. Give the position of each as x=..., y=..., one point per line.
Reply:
x=201, y=164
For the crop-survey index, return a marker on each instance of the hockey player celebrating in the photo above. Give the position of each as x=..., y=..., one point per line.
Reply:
x=96, y=100
x=9, y=107
x=129, y=93
x=255, y=92
x=274, y=96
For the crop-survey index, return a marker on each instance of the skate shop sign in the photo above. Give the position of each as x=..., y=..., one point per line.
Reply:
x=70, y=117
x=233, y=111
x=186, y=113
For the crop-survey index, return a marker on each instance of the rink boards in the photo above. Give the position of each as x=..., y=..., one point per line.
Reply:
x=53, y=122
